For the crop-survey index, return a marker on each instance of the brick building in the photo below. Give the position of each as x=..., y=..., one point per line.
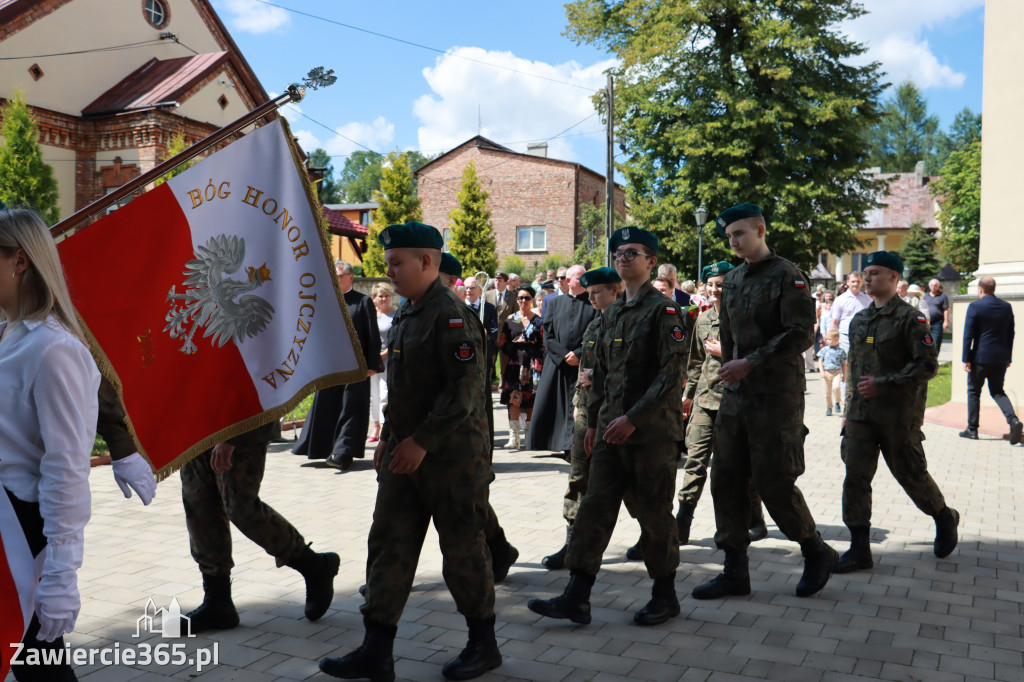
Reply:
x=535, y=201
x=120, y=79
x=907, y=201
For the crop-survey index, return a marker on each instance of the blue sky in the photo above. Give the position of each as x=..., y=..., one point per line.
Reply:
x=392, y=95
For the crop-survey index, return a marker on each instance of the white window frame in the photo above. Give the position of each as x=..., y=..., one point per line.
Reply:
x=150, y=8
x=446, y=234
x=533, y=247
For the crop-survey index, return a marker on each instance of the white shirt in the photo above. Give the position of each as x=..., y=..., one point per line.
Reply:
x=846, y=306
x=48, y=410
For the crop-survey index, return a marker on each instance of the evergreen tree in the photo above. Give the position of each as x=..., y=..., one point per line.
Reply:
x=905, y=135
x=397, y=203
x=328, y=189
x=25, y=179
x=746, y=100
x=965, y=129
x=918, y=255
x=472, y=238
x=958, y=191
x=176, y=146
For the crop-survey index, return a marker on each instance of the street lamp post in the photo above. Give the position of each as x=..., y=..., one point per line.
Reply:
x=701, y=214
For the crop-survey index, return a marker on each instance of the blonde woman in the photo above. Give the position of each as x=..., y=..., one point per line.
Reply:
x=381, y=294
x=48, y=410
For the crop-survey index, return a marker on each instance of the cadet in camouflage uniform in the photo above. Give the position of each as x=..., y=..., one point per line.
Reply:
x=603, y=286
x=222, y=485
x=636, y=402
x=503, y=554
x=701, y=399
x=892, y=357
x=433, y=463
x=767, y=320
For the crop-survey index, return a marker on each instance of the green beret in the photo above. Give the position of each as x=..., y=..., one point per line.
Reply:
x=450, y=265
x=716, y=269
x=731, y=215
x=411, y=235
x=600, y=276
x=632, y=235
x=887, y=259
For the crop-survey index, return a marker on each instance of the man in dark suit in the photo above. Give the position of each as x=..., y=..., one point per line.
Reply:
x=988, y=351
x=669, y=272
x=340, y=417
x=489, y=320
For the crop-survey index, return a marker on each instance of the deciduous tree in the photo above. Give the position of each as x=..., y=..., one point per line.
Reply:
x=958, y=191
x=724, y=102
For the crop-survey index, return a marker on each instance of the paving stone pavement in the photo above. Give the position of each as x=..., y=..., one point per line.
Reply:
x=913, y=617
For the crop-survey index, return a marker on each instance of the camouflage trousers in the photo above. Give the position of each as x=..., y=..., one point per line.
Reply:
x=759, y=438
x=579, y=468
x=213, y=500
x=644, y=477
x=699, y=436
x=901, y=447
x=453, y=493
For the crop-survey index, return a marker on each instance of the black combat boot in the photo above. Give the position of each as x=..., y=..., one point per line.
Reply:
x=480, y=655
x=319, y=571
x=503, y=555
x=217, y=612
x=757, y=530
x=663, y=604
x=373, y=660
x=946, y=522
x=636, y=552
x=574, y=603
x=858, y=557
x=734, y=579
x=1016, y=431
x=684, y=517
x=819, y=562
x=556, y=561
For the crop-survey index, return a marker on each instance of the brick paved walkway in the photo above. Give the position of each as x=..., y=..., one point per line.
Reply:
x=912, y=618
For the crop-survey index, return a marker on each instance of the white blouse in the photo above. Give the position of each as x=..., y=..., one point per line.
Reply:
x=48, y=409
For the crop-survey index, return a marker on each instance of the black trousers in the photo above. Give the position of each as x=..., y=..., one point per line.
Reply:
x=337, y=423
x=994, y=373
x=32, y=525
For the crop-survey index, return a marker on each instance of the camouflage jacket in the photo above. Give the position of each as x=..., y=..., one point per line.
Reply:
x=437, y=373
x=639, y=368
x=893, y=344
x=111, y=424
x=703, y=385
x=591, y=335
x=767, y=317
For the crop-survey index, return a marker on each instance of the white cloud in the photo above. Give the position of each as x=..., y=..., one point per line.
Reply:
x=377, y=135
x=512, y=106
x=892, y=31
x=254, y=17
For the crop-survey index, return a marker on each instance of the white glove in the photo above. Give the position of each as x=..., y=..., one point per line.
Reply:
x=57, y=598
x=134, y=472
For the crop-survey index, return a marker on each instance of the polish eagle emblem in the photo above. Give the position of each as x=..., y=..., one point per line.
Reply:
x=216, y=303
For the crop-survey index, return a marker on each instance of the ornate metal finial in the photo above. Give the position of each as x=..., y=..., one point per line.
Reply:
x=318, y=78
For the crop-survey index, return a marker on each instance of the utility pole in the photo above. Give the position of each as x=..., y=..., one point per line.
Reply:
x=609, y=181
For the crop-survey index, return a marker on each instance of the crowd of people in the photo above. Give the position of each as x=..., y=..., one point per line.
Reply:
x=624, y=371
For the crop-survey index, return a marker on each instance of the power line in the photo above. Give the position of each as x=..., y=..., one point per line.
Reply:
x=112, y=48
x=425, y=47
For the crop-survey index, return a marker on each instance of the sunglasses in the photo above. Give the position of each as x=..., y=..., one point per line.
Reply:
x=562, y=277
x=523, y=298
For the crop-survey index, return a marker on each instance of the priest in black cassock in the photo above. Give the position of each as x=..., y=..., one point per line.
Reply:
x=338, y=422
x=565, y=320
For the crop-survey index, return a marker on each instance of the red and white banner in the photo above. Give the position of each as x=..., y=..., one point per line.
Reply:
x=214, y=299
x=19, y=575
